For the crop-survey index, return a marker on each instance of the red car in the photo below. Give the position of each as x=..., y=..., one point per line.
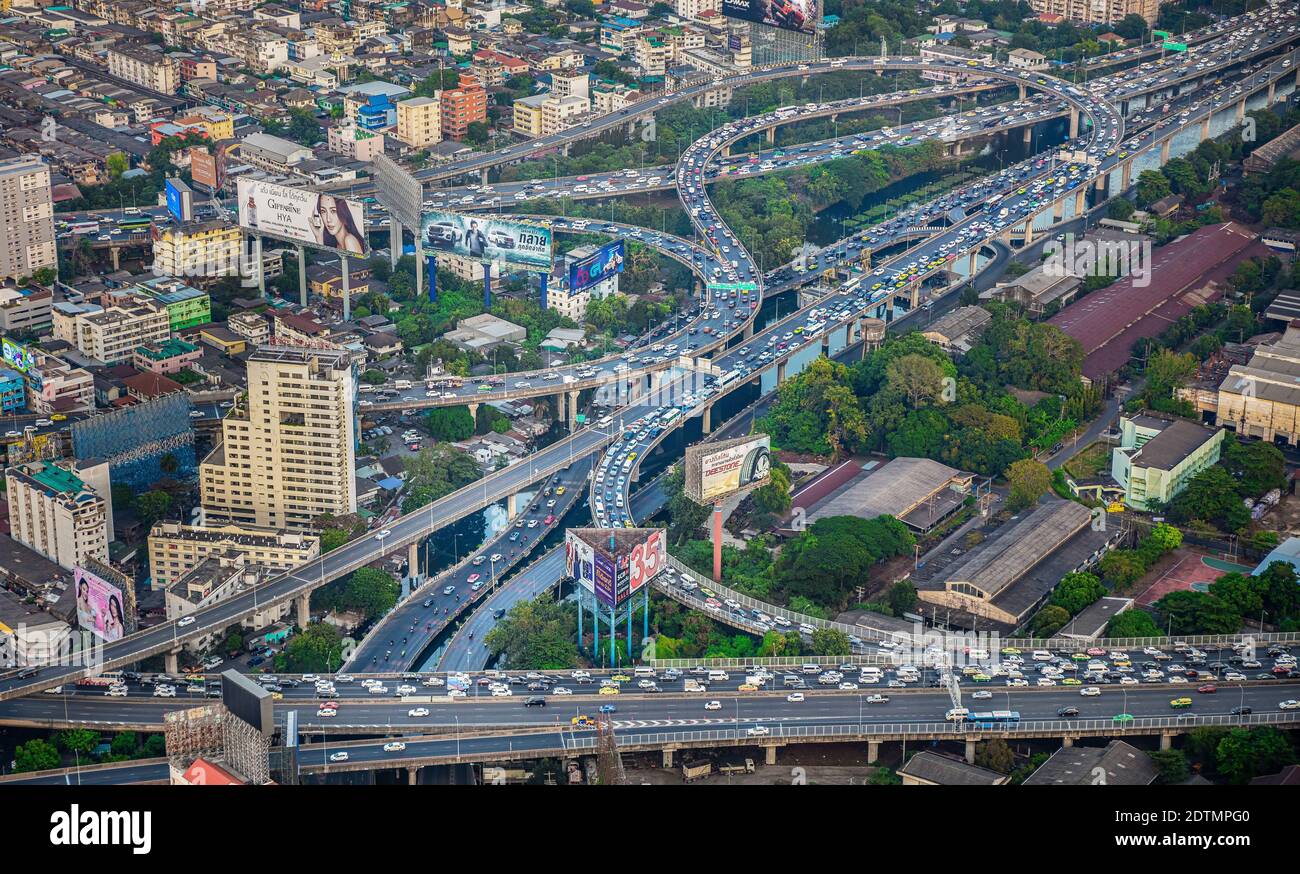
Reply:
x=472, y=578
x=1207, y=688
x=550, y=518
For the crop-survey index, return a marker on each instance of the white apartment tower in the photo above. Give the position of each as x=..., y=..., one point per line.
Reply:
x=26, y=217
x=287, y=458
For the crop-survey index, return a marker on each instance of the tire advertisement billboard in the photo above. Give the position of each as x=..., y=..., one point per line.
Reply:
x=101, y=607
x=800, y=16
x=719, y=470
x=514, y=244
x=321, y=221
x=596, y=267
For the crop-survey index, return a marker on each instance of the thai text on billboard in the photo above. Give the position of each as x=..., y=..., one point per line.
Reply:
x=301, y=216
x=514, y=244
x=800, y=16
x=579, y=558
x=596, y=267
x=100, y=607
x=606, y=579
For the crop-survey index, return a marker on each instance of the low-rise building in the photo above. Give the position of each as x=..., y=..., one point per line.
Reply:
x=199, y=249
x=1039, y=291
x=1157, y=457
x=169, y=356
x=62, y=511
x=216, y=579
x=1116, y=764
x=957, y=331
x=176, y=549
x=186, y=306
x=26, y=309
x=355, y=143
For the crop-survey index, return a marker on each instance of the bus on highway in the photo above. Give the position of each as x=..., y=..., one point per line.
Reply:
x=995, y=719
x=135, y=224
x=729, y=377
x=83, y=228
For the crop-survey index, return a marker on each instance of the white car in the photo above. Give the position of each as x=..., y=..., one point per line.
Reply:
x=502, y=693
x=1289, y=704
x=117, y=692
x=1090, y=691
x=561, y=690
x=382, y=534
x=417, y=712
x=1017, y=682
x=847, y=686
x=712, y=705
x=164, y=692
x=406, y=690
x=326, y=712
x=794, y=697
x=981, y=695
x=338, y=757
x=433, y=681
x=455, y=693
x=758, y=731
x=395, y=747
x=1046, y=681
x=184, y=620
x=378, y=690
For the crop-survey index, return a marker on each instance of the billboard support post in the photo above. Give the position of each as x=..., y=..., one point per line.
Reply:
x=580, y=635
x=542, y=289
x=302, y=274
x=394, y=241
x=261, y=266
x=347, y=292
x=419, y=273
x=613, y=620
x=717, y=543
x=645, y=615
x=432, y=266
x=487, y=285
x=595, y=628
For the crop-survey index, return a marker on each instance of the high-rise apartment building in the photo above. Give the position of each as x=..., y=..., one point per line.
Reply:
x=419, y=121
x=62, y=511
x=1098, y=11
x=26, y=217
x=462, y=106
x=288, y=457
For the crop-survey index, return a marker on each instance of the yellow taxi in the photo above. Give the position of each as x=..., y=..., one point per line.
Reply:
x=747, y=687
x=583, y=721
x=609, y=690
x=621, y=678
x=58, y=417
x=559, y=490
x=1180, y=702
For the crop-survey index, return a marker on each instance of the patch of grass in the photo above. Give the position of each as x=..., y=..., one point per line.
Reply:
x=1091, y=461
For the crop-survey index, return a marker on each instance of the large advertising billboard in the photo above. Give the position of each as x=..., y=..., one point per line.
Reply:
x=716, y=471
x=301, y=216
x=579, y=560
x=204, y=169
x=596, y=267
x=100, y=606
x=515, y=244
x=180, y=200
x=606, y=578
x=16, y=355
x=800, y=16
x=646, y=560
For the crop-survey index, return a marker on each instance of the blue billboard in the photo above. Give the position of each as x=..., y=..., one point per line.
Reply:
x=596, y=267
x=180, y=200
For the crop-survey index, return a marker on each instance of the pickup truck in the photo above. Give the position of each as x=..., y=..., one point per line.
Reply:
x=693, y=685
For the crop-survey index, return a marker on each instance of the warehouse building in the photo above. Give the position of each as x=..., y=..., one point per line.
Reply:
x=919, y=492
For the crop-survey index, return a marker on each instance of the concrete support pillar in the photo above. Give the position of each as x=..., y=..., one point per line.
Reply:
x=302, y=275
x=914, y=295
x=1103, y=184
x=1028, y=134
x=970, y=751
x=419, y=266
x=1272, y=92
x=1127, y=170
x=1067, y=742
x=1205, y=128
x=780, y=372
x=770, y=755
x=394, y=241
x=726, y=151
x=512, y=507
x=413, y=560
x=1241, y=111
x=771, y=136
x=413, y=776
x=707, y=419
x=573, y=411
x=303, y=605
x=473, y=411
x=973, y=263
x=483, y=176
x=1166, y=741
x=1058, y=211
x=668, y=758
x=170, y=662
x=1029, y=232
x=1020, y=90
x=116, y=254
x=1164, y=151
x=260, y=266
x=1074, y=123
x=347, y=292
x=873, y=746
x=749, y=331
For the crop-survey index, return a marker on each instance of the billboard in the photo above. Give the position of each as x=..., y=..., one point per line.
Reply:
x=204, y=169
x=301, y=216
x=100, y=606
x=596, y=267
x=579, y=560
x=646, y=560
x=715, y=471
x=800, y=16
x=521, y=245
x=16, y=355
x=180, y=200
x=606, y=578
x=400, y=192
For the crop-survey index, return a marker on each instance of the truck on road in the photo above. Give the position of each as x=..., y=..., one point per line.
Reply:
x=745, y=767
x=692, y=771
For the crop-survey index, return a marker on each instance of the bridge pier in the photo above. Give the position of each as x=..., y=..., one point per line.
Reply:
x=1241, y=111
x=171, y=663
x=1029, y=233
x=1058, y=211
x=769, y=753
x=1164, y=152
x=512, y=507
x=668, y=757
x=1067, y=742
x=873, y=746
x=1103, y=185
x=706, y=419
x=1205, y=128
x=573, y=411
x=1080, y=205
x=971, y=266
x=1020, y=91
x=970, y=752
x=115, y=253
x=413, y=560
x=771, y=136
x=1028, y=135
x=1272, y=91
x=303, y=605
x=1166, y=741
x=726, y=151
x=483, y=176
x=749, y=331
x=1074, y=123
x=473, y=412
x=914, y=296
x=1127, y=170
x=780, y=372
x=413, y=775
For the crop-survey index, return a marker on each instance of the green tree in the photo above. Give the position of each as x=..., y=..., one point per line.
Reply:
x=332, y=538
x=1190, y=612
x=1029, y=481
x=995, y=755
x=1133, y=623
x=902, y=597
x=317, y=648
x=152, y=506
x=451, y=423
x=117, y=163
x=830, y=642
x=1077, y=591
x=35, y=755
x=125, y=743
x=367, y=590
x=1120, y=209
x=1246, y=753
x=1050, y=620
x=1257, y=466
x=1151, y=186
x=1172, y=764
x=536, y=635
x=77, y=740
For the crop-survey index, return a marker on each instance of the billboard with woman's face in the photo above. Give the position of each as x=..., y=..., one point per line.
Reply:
x=100, y=607
x=797, y=15
x=301, y=216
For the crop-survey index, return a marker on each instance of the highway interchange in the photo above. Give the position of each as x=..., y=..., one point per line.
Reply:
x=1023, y=192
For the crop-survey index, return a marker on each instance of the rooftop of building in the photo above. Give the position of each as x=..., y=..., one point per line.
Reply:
x=1122, y=764
x=1176, y=441
x=896, y=489
x=948, y=771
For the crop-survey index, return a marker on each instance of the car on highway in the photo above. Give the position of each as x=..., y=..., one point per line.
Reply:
x=1179, y=703
x=583, y=721
x=717, y=705
x=382, y=534
x=338, y=757
x=326, y=712
x=1289, y=704
x=449, y=590
x=758, y=731
x=609, y=690
x=184, y=621
x=1067, y=711
x=608, y=708
x=1090, y=691
x=395, y=746
x=1207, y=689
x=535, y=701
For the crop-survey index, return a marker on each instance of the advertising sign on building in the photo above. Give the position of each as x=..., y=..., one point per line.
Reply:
x=515, y=244
x=596, y=267
x=16, y=355
x=800, y=16
x=204, y=169
x=298, y=215
x=101, y=607
x=180, y=200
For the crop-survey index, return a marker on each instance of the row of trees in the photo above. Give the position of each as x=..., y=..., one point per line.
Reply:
x=82, y=745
